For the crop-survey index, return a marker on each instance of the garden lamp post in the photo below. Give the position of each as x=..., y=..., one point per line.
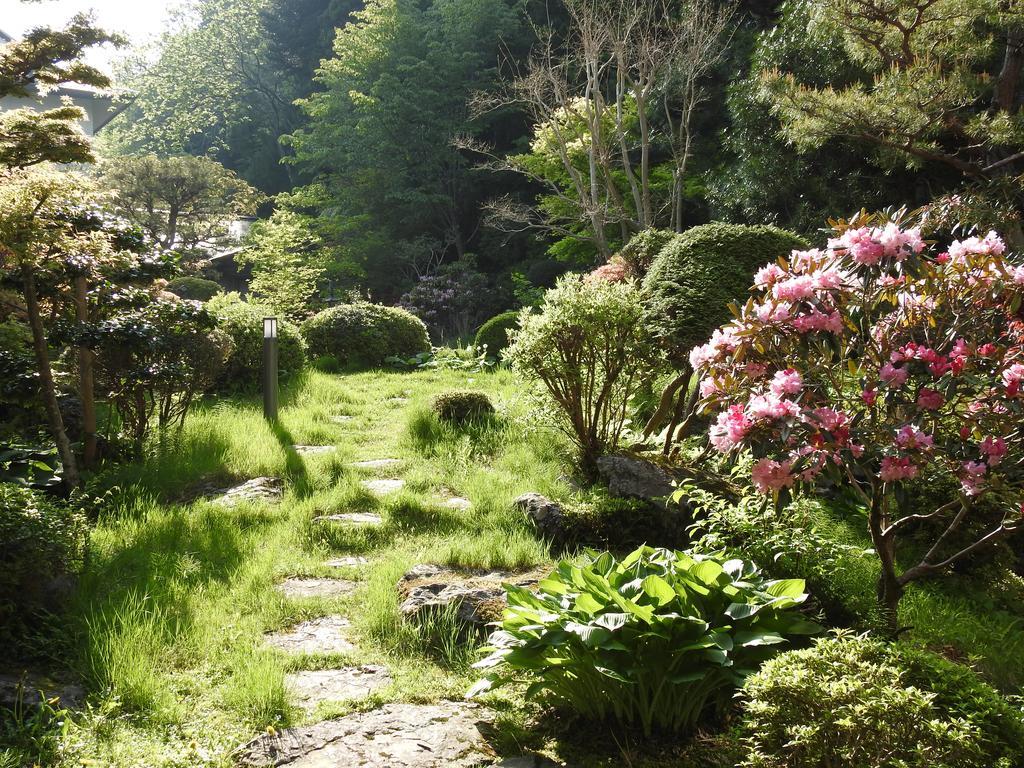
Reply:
x=270, y=368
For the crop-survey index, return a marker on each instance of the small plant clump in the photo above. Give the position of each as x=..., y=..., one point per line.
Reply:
x=493, y=336
x=462, y=406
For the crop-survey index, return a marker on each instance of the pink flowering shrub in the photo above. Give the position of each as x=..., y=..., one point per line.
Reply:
x=870, y=361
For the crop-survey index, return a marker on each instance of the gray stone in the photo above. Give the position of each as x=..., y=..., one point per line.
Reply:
x=30, y=688
x=311, y=687
x=382, y=487
x=457, y=502
x=397, y=400
x=631, y=478
x=351, y=518
x=546, y=515
x=296, y=587
x=375, y=463
x=314, y=450
x=258, y=489
x=323, y=635
x=347, y=562
x=477, y=598
x=342, y=419
x=442, y=735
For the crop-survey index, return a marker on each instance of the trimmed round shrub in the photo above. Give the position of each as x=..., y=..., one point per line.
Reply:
x=849, y=701
x=692, y=280
x=639, y=253
x=194, y=288
x=42, y=545
x=243, y=323
x=366, y=335
x=494, y=333
x=460, y=406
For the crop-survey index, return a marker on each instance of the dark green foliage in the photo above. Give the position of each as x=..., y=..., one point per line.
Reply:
x=42, y=542
x=327, y=364
x=194, y=288
x=494, y=333
x=639, y=253
x=545, y=273
x=462, y=406
x=19, y=381
x=849, y=701
x=693, y=279
x=243, y=322
x=657, y=639
x=365, y=335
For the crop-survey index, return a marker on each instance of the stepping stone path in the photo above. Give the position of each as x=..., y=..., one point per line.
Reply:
x=375, y=463
x=443, y=735
x=347, y=562
x=457, y=502
x=296, y=587
x=478, y=598
x=323, y=635
x=257, y=489
x=352, y=518
x=382, y=487
x=311, y=687
x=314, y=450
x=342, y=419
x=26, y=688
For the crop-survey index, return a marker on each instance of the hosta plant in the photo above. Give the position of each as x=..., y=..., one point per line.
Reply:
x=656, y=639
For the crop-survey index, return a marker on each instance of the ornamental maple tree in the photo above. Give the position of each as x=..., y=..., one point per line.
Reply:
x=869, y=361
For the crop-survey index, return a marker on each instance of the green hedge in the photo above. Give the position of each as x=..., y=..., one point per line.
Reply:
x=194, y=288
x=696, y=275
x=365, y=335
x=494, y=333
x=243, y=322
x=461, y=406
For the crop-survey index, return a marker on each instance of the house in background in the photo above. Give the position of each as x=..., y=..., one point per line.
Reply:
x=99, y=107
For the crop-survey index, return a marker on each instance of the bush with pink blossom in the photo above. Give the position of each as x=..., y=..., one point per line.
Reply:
x=869, y=361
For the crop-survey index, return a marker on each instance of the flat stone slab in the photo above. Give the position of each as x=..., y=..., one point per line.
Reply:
x=457, y=502
x=30, y=688
x=351, y=518
x=311, y=687
x=314, y=450
x=258, y=489
x=296, y=587
x=397, y=400
x=347, y=562
x=375, y=463
x=342, y=419
x=443, y=735
x=383, y=486
x=323, y=635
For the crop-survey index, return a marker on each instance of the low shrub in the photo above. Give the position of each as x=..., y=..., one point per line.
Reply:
x=658, y=639
x=493, y=335
x=694, y=277
x=366, y=335
x=194, y=288
x=639, y=253
x=243, y=323
x=590, y=351
x=848, y=701
x=42, y=544
x=327, y=364
x=461, y=406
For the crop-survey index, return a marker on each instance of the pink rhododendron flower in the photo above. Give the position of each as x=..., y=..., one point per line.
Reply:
x=861, y=245
x=819, y=321
x=831, y=420
x=895, y=469
x=771, y=407
x=768, y=275
x=755, y=370
x=769, y=475
x=893, y=376
x=801, y=261
x=869, y=396
x=730, y=429
x=787, y=382
x=708, y=387
x=794, y=289
x=912, y=438
x=612, y=272
x=829, y=280
x=929, y=399
x=1012, y=378
x=1018, y=275
x=723, y=340
x=973, y=477
x=993, y=449
x=990, y=245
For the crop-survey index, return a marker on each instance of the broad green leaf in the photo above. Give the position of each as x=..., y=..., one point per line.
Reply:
x=659, y=590
x=792, y=588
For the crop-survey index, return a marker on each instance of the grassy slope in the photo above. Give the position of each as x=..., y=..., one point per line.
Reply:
x=177, y=596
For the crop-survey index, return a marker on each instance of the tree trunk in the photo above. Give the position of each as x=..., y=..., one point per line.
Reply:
x=60, y=436
x=86, y=378
x=890, y=590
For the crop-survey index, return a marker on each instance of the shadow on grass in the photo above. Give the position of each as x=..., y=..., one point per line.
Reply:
x=295, y=470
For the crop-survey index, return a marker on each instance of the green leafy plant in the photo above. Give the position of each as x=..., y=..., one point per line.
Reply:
x=243, y=322
x=658, y=639
x=493, y=335
x=847, y=701
x=366, y=335
x=461, y=406
x=194, y=288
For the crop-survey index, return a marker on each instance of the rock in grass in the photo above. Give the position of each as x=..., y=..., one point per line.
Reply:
x=375, y=463
x=347, y=562
x=382, y=487
x=351, y=518
x=324, y=635
x=310, y=687
x=631, y=478
x=314, y=450
x=474, y=598
x=296, y=587
x=258, y=489
x=442, y=735
x=546, y=515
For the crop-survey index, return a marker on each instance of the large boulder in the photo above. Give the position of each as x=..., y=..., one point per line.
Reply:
x=632, y=478
x=547, y=517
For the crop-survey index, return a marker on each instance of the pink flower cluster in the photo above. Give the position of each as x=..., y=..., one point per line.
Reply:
x=867, y=246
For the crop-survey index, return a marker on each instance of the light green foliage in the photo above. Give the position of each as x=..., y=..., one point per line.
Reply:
x=365, y=334
x=590, y=350
x=287, y=263
x=656, y=639
x=40, y=540
x=243, y=323
x=179, y=202
x=494, y=334
x=846, y=702
x=696, y=275
x=462, y=406
x=194, y=288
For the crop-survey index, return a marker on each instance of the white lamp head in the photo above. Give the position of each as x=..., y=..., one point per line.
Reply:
x=270, y=327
